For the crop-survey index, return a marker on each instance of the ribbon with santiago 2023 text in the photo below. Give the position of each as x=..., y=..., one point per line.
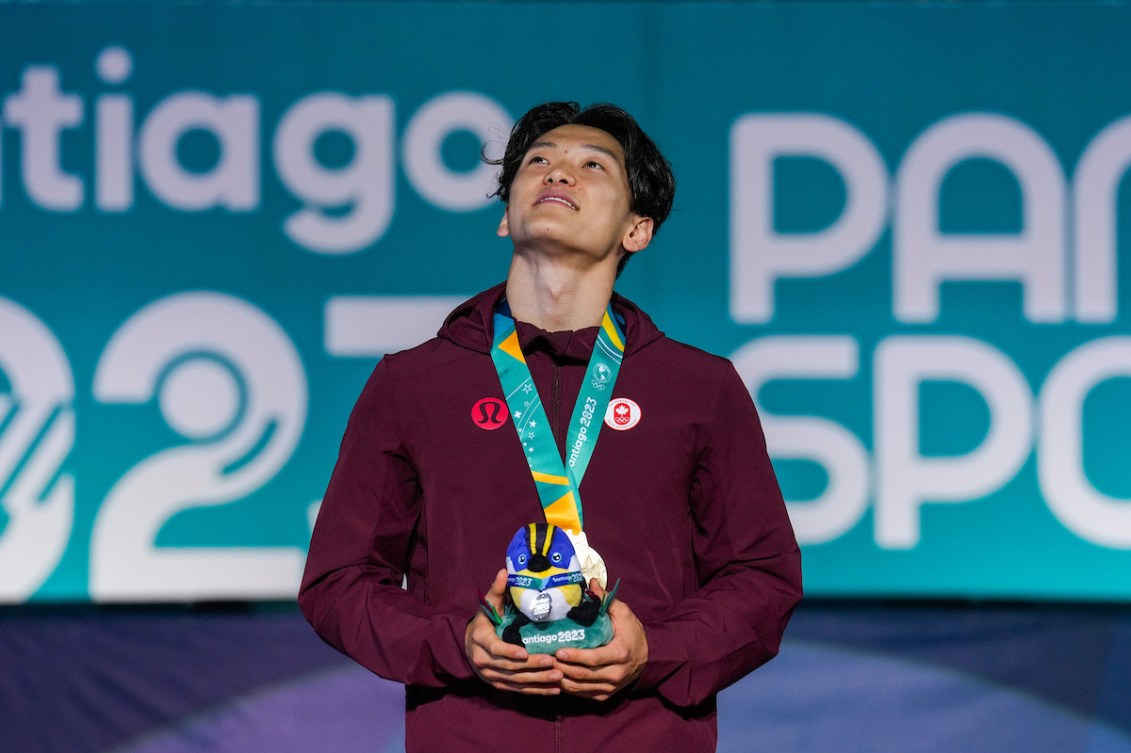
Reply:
x=558, y=483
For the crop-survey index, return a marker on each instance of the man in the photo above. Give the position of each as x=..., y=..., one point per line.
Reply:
x=676, y=491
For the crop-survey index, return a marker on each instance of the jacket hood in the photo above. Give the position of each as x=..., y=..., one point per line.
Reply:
x=471, y=324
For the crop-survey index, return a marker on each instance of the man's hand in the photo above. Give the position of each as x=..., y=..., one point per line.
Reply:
x=599, y=673
x=503, y=665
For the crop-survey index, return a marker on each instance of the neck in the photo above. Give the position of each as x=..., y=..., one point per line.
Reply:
x=555, y=296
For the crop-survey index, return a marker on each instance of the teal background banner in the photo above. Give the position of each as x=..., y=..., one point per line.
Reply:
x=901, y=221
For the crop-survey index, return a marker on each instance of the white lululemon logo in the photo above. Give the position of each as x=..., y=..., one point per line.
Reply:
x=622, y=414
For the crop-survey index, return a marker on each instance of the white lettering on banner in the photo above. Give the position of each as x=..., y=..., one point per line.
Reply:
x=1063, y=259
x=1062, y=276
x=242, y=406
x=433, y=122
x=365, y=186
x=41, y=111
x=1088, y=513
x=242, y=409
x=1097, y=179
x=37, y=431
x=923, y=257
x=759, y=254
x=114, y=113
x=371, y=326
x=906, y=480
x=825, y=442
x=233, y=182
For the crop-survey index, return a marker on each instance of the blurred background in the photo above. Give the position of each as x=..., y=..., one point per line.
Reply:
x=901, y=221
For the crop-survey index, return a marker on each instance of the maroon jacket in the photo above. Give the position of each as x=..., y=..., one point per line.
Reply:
x=684, y=507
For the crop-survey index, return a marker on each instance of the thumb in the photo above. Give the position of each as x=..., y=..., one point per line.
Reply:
x=595, y=587
x=498, y=589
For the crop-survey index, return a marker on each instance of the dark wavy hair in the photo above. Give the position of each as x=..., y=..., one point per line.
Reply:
x=650, y=177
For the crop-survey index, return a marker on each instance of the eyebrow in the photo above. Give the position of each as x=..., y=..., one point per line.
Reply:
x=594, y=147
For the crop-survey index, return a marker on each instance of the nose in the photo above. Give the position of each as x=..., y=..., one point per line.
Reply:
x=559, y=175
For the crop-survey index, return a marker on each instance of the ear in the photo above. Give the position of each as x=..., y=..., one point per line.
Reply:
x=639, y=235
x=504, y=229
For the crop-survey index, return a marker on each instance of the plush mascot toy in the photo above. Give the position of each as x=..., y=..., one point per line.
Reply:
x=549, y=604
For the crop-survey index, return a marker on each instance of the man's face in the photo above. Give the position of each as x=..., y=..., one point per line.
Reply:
x=571, y=194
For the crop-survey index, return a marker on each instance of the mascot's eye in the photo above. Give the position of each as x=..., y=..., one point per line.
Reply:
x=556, y=557
x=522, y=559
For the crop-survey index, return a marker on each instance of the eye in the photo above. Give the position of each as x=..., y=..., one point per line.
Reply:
x=595, y=163
x=537, y=159
x=556, y=557
x=522, y=559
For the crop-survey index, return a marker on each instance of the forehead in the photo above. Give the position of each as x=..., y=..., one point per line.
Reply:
x=569, y=137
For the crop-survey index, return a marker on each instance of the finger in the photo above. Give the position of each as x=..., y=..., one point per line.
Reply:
x=483, y=663
x=610, y=653
x=540, y=676
x=498, y=589
x=613, y=672
x=574, y=658
x=543, y=679
x=484, y=642
x=527, y=689
x=600, y=685
x=484, y=637
x=586, y=675
x=485, y=656
x=527, y=664
x=483, y=653
x=595, y=587
x=596, y=691
x=503, y=651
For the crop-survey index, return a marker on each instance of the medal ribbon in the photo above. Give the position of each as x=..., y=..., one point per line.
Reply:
x=558, y=483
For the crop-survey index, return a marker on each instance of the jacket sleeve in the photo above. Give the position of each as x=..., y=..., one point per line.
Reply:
x=749, y=566
x=351, y=589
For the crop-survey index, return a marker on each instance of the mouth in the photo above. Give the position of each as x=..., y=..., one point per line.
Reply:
x=555, y=198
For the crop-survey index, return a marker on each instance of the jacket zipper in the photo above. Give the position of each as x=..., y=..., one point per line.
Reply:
x=557, y=402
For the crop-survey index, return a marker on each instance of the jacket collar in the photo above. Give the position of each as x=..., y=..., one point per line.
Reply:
x=471, y=325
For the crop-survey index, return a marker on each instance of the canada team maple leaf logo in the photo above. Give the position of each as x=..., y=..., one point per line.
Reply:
x=622, y=414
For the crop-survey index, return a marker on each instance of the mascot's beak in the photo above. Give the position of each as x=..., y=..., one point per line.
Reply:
x=539, y=563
